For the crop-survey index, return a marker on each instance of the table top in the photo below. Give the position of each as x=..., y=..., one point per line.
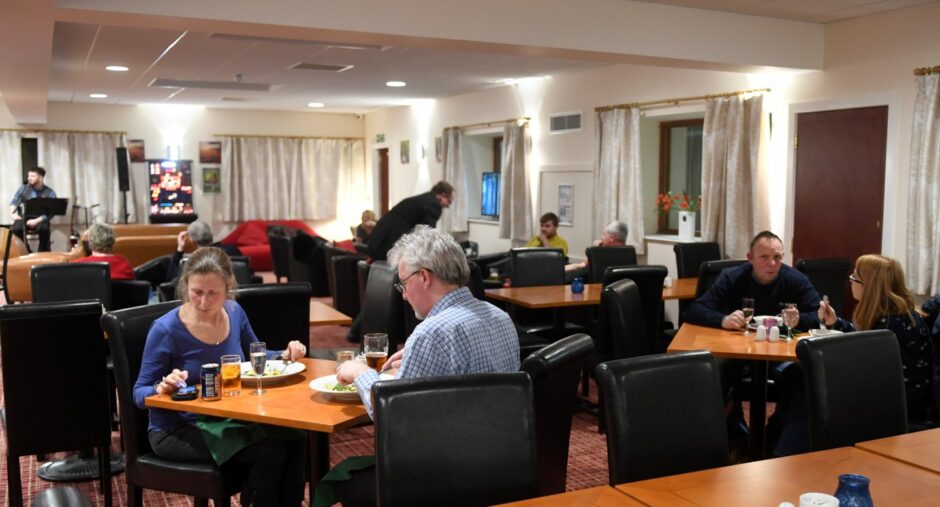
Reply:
x=682, y=288
x=290, y=403
x=557, y=296
x=731, y=344
x=772, y=481
x=324, y=315
x=599, y=496
x=920, y=449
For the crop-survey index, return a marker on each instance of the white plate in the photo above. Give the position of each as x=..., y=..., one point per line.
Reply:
x=823, y=332
x=759, y=319
x=324, y=385
x=274, y=371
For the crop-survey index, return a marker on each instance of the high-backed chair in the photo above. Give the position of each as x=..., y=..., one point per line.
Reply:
x=649, y=281
x=555, y=370
x=362, y=277
x=664, y=415
x=462, y=451
x=277, y=312
x=127, y=334
x=306, y=263
x=241, y=266
x=329, y=252
x=382, y=310
x=476, y=281
x=689, y=258
x=537, y=266
x=854, y=388
x=709, y=271
x=53, y=283
x=602, y=257
x=344, y=272
x=622, y=331
x=61, y=497
x=66, y=406
x=280, y=253
x=154, y=271
x=129, y=293
x=471, y=248
x=828, y=276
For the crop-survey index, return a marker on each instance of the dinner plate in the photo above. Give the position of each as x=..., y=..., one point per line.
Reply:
x=325, y=385
x=823, y=332
x=274, y=371
x=759, y=319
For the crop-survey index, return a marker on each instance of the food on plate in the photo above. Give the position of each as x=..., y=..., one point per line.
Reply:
x=341, y=388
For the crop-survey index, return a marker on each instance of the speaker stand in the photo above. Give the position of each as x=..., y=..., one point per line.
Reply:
x=124, y=198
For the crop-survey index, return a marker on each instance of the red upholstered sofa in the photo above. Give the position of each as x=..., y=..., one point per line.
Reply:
x=251, y=238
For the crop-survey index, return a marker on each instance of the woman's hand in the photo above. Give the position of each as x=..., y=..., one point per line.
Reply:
x=826, y=314
x=170, y=383
x=294, y=351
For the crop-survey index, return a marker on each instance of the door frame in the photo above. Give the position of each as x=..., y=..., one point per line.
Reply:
x=889, y=246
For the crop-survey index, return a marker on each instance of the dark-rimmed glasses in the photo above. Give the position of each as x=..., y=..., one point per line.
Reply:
x=400, y=286
x=853, y=278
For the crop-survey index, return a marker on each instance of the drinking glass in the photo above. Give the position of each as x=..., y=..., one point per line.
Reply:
x=747, y=308
x=375, y=346
x=259, y=357
x=344, y=355
x=791, y=317
x=231, y=375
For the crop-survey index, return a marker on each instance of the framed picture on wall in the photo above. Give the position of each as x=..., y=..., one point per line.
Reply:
x=211, y=180
x=135, y=148
x=405, y=151
x=566, y=204
x=210, y=152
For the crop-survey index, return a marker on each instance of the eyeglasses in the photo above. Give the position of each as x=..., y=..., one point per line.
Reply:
x=853, y=278
x=401, y=285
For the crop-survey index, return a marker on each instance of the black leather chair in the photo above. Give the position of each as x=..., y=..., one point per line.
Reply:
x=344, y=281
x=709, y=271
x=362, y=277
x=602, y=257
x=306, y=264
x=476, y=281
x=689, y=258
x=537, y=266
x=854, y=388
x=244, y=274
x=61, y=497
x=154, y=271
x=455, y=450
x=471, y=248
x=63, y=404
x=829, y=277
x=329, y=252
x=382, y=310
x=129, y=293
x=622, y=331
x=555, y=370
x=127, y=334
x=277, y=312
x=664, y=415
x=73, y=281
x=649, y=281
x=280, y=252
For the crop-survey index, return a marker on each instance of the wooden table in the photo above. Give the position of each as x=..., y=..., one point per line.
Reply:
x=920, y=449
x=772, y=481
x=290, y=403
x=734, y=345
x=560, y=296
x=324, y=315
x=600, y=496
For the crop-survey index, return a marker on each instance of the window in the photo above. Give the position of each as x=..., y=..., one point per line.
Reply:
x=680, y=165
x=481, y=156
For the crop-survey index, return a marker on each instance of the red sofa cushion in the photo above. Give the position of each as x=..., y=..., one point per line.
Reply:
x=251, y=237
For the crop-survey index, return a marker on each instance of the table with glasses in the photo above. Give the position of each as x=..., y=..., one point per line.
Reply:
x=920, y=449
x=325, y=315
x=560, y=296
x=290, y=403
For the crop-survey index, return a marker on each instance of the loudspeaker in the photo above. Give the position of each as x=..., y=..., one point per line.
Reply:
x=29, y=148
x=122, y=162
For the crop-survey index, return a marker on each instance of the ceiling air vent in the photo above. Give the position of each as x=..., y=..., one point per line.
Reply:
x=210, y=85
x=319, y=66
x=564, y=122
x=278, y=40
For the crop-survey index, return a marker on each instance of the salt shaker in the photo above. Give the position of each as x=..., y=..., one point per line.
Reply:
x=773, y=334
x=761, y=333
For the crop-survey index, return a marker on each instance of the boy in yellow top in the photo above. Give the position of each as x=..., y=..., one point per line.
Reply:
x=549, y=237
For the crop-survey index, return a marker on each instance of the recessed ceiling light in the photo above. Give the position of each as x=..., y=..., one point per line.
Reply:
x=314, y=104
x=116, y=68
x=98, y=95
x=395, y=84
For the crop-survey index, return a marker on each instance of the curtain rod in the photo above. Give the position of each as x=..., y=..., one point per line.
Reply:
x=491, y=123
x=290, y=137
x=676, y=101
x=926, y=71
x=59, y=131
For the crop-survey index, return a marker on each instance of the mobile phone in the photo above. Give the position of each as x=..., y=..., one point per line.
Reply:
x=184, y=393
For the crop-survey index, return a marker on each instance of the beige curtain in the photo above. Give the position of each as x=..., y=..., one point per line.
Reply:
x=618, y=181
x=515, y=194
x=454, y=219
x=287, y=178
x=923, y=208
x=11, y=175
x=730, y=173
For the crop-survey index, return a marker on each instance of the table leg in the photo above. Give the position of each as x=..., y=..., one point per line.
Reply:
x=758, y=410
x=319, y=458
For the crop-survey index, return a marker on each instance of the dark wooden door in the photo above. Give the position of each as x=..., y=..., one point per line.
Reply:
x=840, y=173
x=383, y=181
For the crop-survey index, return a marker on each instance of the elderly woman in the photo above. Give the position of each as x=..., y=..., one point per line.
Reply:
x=207, y=326
x=101, y=242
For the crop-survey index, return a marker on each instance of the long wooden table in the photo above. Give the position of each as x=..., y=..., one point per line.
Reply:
x=290, y=403
x=920, y=449
x=560, y=296
x=324, y=315
x=599, y=496
x=772, y=481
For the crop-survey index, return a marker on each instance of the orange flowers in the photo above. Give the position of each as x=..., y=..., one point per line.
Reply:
x=682, y=202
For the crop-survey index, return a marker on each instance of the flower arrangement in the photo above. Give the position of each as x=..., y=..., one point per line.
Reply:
x=683, y=202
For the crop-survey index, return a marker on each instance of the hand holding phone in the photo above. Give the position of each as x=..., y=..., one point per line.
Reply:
x=184, y=394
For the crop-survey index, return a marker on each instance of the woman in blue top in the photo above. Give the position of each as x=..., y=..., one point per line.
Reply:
x=205, y=327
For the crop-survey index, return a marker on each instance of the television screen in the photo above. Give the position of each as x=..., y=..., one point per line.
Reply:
x=171, y=187
x=490, y=195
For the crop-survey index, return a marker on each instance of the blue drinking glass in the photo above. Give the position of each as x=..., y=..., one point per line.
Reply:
x=577, y=285
x=853, y=491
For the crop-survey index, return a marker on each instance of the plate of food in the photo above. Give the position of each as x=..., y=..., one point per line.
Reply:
x=823, y=332
x=275, y=370
x=759, y=319
x=329, y=386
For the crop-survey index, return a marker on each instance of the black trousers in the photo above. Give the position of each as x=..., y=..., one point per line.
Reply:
x=276, y=476
x=42, y=230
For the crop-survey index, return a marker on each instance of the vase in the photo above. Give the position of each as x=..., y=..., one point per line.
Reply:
x=686, y=225
x=853, y=491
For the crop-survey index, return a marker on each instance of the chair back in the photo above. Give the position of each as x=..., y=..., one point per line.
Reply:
x=344, y=272
x=664, y=415
x=555, y=371
x=622, y=323
x=828, y=276
x=537, y=266
x=52, y=283
x=154, y=270
x=470, y=248
x=709, y=271
x=464, y=453
x=329, y=252
x=306, y=263
x=690, y=256
x=475, y=284
x=362, y=272
x=277, y=312
x=241, y=267
x=129, y=293
x=382, y=310
x=280, y=253
x=649, y=281
x=854, y=387
x=602, y=257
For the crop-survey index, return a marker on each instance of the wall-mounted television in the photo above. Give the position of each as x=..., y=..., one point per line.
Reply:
x=489, y=192
x=171, y=189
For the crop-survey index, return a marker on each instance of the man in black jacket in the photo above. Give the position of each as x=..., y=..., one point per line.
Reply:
x=419, y=209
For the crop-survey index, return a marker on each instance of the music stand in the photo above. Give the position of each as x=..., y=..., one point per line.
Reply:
x=44, y=206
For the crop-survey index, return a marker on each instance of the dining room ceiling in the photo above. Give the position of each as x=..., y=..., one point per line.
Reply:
x=812, y=11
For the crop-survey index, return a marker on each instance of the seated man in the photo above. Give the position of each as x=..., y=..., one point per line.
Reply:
x=615, y=234
x=549, y=237
x=101, y=242
x=34, y=188
x=201, y=234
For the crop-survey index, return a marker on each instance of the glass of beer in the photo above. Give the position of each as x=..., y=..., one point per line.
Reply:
x=231, y=375
x=375, y=346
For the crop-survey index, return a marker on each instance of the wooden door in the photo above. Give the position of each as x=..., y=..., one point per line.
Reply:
x=840, y=172
x=383, y=181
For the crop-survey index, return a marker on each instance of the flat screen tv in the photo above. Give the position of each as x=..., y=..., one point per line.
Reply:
x=171, y=188
x=489, y=193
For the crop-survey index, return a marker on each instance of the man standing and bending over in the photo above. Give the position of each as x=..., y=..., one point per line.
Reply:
x=34, y=188
x=419, y=209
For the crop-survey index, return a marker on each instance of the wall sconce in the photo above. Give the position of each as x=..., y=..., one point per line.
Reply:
x=173, y=152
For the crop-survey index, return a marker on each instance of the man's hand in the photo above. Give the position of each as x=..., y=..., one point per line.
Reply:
x=394, y=361
x=544, y=239
x=181, y=241
x=734, y=320
x=348, y=371
x=32, y=223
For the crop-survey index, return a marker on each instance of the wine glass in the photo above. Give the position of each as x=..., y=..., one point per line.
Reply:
x=259, y=357
x=791, y=317
x=747, y=308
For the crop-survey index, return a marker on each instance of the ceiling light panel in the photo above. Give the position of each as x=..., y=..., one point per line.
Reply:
x=325, y=67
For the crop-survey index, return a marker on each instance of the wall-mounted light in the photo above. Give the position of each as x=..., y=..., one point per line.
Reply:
x=116, y=68
x=173, y=152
